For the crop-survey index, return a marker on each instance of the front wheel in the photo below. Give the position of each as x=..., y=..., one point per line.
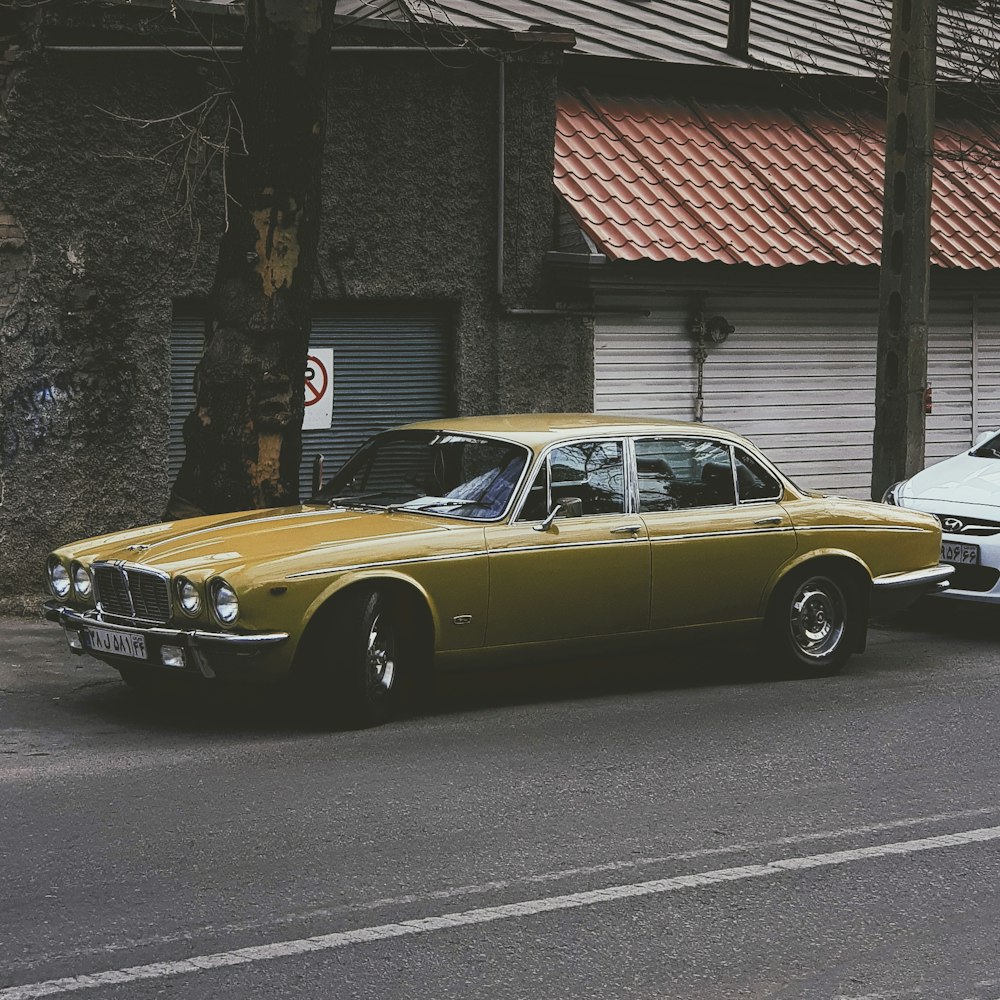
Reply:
x=366, y=659
x=812, y=621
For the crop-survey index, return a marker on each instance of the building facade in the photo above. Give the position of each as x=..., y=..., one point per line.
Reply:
x=104, y=271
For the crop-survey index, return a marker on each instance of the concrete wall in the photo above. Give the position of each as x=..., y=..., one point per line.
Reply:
x=97, y=256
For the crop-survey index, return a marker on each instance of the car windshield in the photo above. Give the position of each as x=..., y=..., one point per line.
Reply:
x=433, y=472
x=989, y=448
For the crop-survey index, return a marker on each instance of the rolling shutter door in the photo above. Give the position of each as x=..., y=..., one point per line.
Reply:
x=387, y=370
x=797, y=376
x=988, y=363
x=187, y=341
x=950, y=373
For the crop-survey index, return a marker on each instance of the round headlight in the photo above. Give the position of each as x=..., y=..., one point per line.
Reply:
x=188, y=596
x=82, y=583
x=224, y=602
x=891, y=495
x=58, y=578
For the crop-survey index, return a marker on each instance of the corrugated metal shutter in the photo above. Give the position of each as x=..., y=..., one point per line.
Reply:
x=988, y=363
x=187, y=341
x=387, y=370
x=950, y=373
x=797, y=376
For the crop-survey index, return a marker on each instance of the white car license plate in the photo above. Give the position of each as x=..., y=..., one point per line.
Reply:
x=960, y=553
x=106, y=640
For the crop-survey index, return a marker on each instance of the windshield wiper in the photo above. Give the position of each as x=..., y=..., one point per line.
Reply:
x=434, y=504
x=359, y=500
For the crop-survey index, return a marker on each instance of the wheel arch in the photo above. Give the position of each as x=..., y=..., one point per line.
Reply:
x=403, y=587
x=842, y=560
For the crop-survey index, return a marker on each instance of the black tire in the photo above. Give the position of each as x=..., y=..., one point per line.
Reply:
x=813, y=620
x=366, y=659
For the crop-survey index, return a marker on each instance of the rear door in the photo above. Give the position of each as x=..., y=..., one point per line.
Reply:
x=716, y=527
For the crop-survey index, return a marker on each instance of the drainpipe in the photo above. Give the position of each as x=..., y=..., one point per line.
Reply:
x=738, y=38
x=501, y=170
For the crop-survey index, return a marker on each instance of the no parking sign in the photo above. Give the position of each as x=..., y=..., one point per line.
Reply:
x=318, y=389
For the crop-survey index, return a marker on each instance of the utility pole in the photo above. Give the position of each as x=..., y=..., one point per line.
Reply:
x=901, y=373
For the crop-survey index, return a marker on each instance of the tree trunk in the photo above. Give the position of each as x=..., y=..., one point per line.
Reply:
x=244, y=437
x=904, y=277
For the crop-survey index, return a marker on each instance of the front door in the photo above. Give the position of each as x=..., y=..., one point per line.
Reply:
x=583, y=576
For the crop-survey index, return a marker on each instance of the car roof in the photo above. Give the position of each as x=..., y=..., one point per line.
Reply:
x=536, y=429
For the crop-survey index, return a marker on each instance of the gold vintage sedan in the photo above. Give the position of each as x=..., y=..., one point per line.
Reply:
x=449, y=539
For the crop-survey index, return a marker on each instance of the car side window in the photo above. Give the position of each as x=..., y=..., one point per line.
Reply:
x=754, y=481
x=536, y=504
x=593, y=471
x=682, y=473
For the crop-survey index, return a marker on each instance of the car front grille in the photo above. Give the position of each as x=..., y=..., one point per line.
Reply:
x=967, y=525
x=132, y=593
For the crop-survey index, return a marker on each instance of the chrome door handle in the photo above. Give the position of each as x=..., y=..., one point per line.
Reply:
x=768, y=520
x=628, y=529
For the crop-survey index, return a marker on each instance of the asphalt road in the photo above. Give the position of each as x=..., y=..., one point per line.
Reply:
x=671, y=829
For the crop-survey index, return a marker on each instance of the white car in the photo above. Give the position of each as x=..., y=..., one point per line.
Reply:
x=963, y=493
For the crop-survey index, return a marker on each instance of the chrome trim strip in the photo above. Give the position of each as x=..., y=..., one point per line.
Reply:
x=722, y=534
x=327, y=570
x=732, y=470
x=932, y=577
x=456, y=555
x=632, y=500
x=859, y=527
x=70, y=618
x=559, y=545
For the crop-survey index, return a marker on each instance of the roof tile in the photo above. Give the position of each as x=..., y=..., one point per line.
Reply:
x=667, y=180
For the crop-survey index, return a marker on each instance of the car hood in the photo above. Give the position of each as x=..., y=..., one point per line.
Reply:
x=285, y=537
x=964, y=479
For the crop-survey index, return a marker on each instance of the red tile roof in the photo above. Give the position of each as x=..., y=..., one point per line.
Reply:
x=670, y=180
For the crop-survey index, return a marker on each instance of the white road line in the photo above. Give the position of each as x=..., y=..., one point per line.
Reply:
x=273, y=921
x=489, y=914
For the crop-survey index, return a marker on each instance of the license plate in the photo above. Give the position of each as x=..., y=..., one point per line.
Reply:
x=960, y=553
x=106, y=640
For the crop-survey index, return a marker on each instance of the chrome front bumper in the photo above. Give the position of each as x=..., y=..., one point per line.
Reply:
x=200, y=643
x=895, y=591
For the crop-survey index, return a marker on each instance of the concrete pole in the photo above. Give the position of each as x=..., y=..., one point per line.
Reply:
x=901, y=374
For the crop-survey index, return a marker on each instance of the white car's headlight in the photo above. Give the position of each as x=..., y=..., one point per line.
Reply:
x=59, y=581
x=82, y=584
x=891, y=495
x=225, y=603
x=188, y=596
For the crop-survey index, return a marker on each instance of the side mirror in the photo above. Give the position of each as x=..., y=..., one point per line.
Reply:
x=983, y=438
x=567, y=507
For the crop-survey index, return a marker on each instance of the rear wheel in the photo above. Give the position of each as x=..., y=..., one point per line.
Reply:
x=812, y=621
